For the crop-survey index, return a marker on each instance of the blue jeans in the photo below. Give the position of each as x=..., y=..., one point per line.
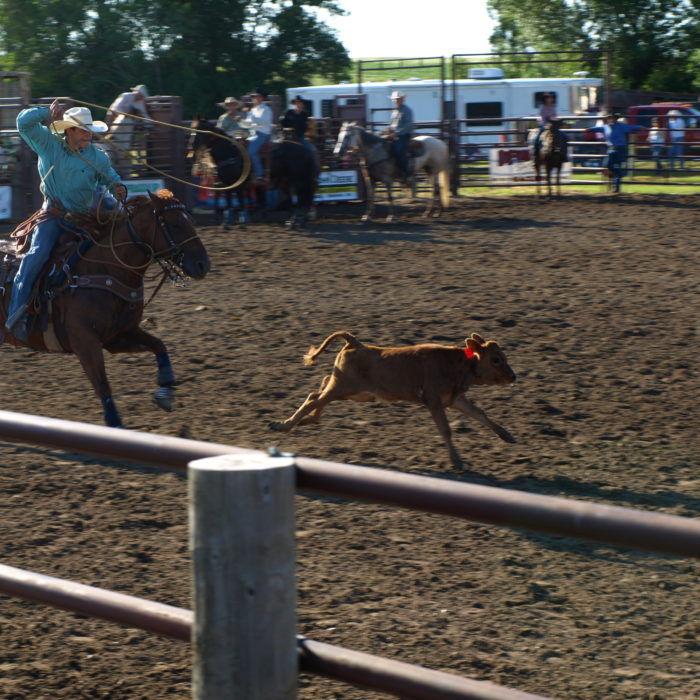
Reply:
x=616, y=162
x=44, y=238
x=675, y=152
x=254, y=146
x=657, y=152
x=400, y=146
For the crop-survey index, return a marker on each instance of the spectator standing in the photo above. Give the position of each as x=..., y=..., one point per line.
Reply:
x=259, y=120
x=657, y=141
x=615, y=133
x=676, y=136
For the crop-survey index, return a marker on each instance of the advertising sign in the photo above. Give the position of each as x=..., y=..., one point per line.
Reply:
x=515, y=165
x=136, y=187
x=335, y=185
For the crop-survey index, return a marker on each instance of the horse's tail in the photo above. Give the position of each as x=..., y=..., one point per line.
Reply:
x=313, y=352
x=444, y=182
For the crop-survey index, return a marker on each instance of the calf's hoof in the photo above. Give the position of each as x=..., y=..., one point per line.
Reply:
x=277, y=425
x=164, y=397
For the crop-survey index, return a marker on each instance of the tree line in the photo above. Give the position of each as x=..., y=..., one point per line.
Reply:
x=202, y=51
x=206, y=50
x=654, y=44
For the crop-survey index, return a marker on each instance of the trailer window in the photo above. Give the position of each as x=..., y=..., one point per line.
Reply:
x=326, y=108
x=539, y=97
x=484, y=110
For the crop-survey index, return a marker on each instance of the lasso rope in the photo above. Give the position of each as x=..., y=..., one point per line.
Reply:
x=242, y=150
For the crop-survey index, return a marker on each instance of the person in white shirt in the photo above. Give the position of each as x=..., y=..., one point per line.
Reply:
x=657, y=140
x=259, y=121
x=676, y=136
x=120, y=117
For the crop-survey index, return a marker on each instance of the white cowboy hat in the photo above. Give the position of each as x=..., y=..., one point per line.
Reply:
x=229, y=101
x=81, y=118
x=675, y=113
x=142, y=89
x=396, y=95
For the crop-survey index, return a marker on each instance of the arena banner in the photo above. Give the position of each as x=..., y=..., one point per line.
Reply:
x=5, y=202
x=136, y=187
x=335, y=185
x=515, y=165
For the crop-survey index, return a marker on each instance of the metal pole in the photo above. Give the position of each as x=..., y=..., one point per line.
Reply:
x=244, y=594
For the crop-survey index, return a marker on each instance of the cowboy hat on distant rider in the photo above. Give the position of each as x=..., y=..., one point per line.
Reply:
x=71, y=168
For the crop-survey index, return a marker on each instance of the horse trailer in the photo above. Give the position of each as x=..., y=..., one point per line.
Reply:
x=485, y=99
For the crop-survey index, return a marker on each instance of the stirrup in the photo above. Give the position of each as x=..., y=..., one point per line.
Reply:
x=16, y=316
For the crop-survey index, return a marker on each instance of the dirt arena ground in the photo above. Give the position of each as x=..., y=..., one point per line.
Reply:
x=595, y=301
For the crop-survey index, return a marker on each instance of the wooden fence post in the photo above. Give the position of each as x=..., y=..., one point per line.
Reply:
x=241, y=510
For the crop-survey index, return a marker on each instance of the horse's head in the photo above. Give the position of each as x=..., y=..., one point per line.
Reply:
x=348, y=138
x=163, y=226
x=201, y=136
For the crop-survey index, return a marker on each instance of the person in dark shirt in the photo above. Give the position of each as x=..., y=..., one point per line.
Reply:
x=297, y=120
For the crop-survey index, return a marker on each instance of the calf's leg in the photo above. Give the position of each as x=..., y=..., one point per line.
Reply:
x=310, y=411
x=463, y=404
x=438, y=413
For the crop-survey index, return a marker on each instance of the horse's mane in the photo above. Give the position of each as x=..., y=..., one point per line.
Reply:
x=96, y=224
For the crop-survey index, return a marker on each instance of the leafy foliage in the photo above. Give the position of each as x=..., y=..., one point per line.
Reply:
x=650, y=40
x=203, y=50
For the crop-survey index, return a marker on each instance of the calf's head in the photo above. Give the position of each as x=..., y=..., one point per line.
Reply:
x=492, y=366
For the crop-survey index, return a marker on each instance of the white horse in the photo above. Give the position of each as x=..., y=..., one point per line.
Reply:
x=379, y=165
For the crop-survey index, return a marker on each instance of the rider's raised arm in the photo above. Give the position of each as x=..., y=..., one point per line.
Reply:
x=30, y=128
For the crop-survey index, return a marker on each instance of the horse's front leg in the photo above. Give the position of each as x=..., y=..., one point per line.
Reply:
x=369, y=212
x=89, y=352
x=390, y=195
x=138, y=340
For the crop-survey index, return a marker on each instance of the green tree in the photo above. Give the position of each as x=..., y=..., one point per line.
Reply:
x=650, y=40
x=203, y=51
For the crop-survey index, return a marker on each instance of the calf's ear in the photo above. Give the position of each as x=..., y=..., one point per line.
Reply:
x=478, y=338
x=474, y=347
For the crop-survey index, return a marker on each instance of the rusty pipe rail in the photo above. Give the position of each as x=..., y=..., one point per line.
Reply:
x=613, y=525
x=357, y=668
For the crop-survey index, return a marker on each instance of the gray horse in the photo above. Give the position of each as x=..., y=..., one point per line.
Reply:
x=430, y=155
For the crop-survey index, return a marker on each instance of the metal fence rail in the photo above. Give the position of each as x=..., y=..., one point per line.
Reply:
x=600, y=523
x=357, y=668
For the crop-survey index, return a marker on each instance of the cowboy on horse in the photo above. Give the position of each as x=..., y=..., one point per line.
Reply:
x=400, y=131
x=64, y=149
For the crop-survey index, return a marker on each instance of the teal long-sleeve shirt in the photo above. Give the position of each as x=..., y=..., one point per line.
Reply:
x=67, y=177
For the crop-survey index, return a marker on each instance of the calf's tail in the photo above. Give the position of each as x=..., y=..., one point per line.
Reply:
x=313, y=352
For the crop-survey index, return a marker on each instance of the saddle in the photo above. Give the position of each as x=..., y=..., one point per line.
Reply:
x=80, y=232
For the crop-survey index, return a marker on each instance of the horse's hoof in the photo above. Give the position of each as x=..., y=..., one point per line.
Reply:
x=164, y=397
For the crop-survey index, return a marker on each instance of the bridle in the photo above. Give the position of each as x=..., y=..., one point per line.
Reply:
x=169, y=258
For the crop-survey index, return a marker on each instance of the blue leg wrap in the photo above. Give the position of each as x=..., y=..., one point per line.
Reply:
x=166, y=376
x=111, y=415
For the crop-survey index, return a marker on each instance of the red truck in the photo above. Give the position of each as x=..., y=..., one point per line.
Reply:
x=642, y=115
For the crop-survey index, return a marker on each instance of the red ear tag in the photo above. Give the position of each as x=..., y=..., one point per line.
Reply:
x=469, y=353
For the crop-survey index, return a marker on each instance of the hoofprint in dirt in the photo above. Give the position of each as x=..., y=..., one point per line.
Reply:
x=593, y=299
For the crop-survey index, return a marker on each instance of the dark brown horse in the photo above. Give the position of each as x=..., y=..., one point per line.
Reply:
x=98, y=303
x=551, y=156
